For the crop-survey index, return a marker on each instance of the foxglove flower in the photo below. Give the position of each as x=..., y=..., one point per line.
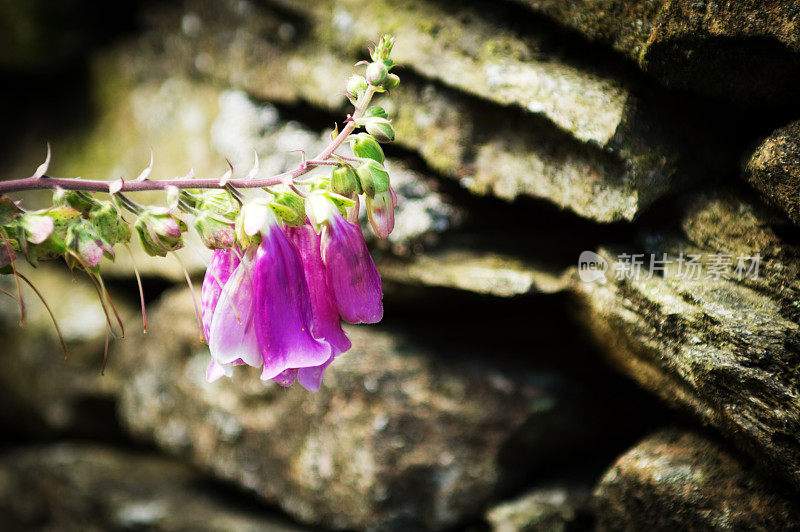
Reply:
x=326, y=323
x=262, y=316
x=351, y=276
x=284, y=320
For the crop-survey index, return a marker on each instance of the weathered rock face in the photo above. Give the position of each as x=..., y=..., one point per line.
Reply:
x=774, y=169
x=556, y=507
x=721, y=347
x=479, y=385
x=40, y=392
x=743, y=51
x=397, y=437
x=90, y=487
x=471, y=270
x=589, y=142
x=680, y=480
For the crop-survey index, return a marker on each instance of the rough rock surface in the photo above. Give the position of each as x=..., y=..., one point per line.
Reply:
x=746, y=51
x=590, y=145
x=774, y=169
x=680, y=480
x=555, y=507
x=474, y=271
x=88, y=487
x=721, y=347
x=396, y=437
x=40, y=392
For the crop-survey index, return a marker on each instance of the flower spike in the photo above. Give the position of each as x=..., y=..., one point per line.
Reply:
x=287, y=266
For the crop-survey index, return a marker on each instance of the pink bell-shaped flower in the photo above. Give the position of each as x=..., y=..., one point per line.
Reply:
x=282, y=306
x=327, y=325
x=232, y=336
x=351, y=275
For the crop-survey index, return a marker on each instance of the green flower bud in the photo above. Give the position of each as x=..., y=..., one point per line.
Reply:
x=84, y=239
x=106, y=217
x=373, y=177
x=356, y=86
x=159, y=232
x=290, y=208
x=367, y=147
x=382, y=131
x=376, y=73
x=383, y=48
x=216, y=233
x=391, y=82
x=344, y=182
x=376, y=111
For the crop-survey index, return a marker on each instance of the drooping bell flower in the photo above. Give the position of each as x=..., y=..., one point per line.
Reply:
x=282, y=306
x=380, y=212
x=351, y=276
x=232, y=336
x=326, y=323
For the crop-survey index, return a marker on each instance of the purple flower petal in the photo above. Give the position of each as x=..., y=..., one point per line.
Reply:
x=327, y=325
x=286, y=377
x=232, y=335
x=283, y=318
x=223, y=263
x=311, y=378
x=351, y=275
x=216, y=370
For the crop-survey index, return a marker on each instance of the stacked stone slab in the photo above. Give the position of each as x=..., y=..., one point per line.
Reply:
x=743, y=51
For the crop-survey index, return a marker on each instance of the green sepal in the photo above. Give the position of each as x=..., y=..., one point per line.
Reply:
x=8, y=210
x=214, y=231
x=290, y=208
x=373, y=177
x=79, y=201
x=107, y=218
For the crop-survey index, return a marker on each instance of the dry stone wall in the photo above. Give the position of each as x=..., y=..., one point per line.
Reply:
x=505, y=390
